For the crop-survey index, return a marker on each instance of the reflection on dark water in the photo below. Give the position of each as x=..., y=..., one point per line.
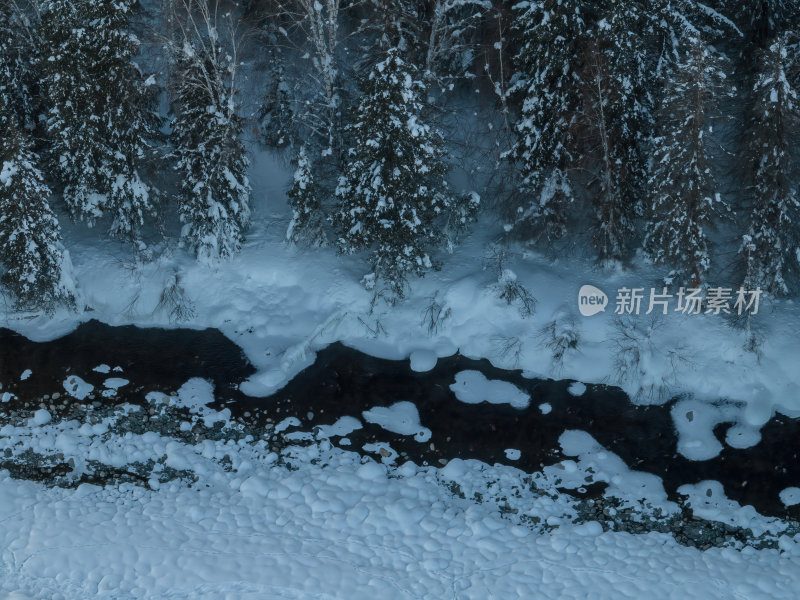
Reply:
x=344, y=381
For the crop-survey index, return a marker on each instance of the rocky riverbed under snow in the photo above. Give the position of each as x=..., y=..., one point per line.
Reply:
x=133, y=466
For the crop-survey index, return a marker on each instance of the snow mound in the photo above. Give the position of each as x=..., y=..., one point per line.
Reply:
x=576, y=388
x=422, y=360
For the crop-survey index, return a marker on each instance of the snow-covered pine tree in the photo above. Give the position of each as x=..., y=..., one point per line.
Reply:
x=101, y=111
x=683, y=193
x=394, y=190
x=36, y=269
x=215, y=193
x=446, y=30
x=276, y=113
x=616, y=121
x=17, y=60
x=772, y=242
x=314, y=28
x=763, y=20
x=306, y=224
x=550, y=34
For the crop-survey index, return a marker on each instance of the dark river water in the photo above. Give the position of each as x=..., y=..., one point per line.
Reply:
x=343, y=381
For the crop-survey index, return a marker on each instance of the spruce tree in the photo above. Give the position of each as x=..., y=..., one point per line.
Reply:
x=772, y=241
x=17, y=69
x=550, y=34
x=683, y=193
x=101, y=111
x=306, y=223
x=616, y=121
x=215, y=193
x=763, y=20
x=36, y=268
x=394, y=190
x=276, y=113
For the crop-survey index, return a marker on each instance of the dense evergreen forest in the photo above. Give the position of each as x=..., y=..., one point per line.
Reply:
x=666, y=130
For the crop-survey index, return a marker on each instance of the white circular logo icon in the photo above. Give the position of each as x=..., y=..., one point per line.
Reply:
x=591, y=300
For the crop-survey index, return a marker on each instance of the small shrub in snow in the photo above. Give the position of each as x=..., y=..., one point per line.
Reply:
x=434, y=315
x=513, y=292
x=507, y=286
x=508, y=347
x=643, y=365
x=174, y=301
x=375, y=329
x=561, y=336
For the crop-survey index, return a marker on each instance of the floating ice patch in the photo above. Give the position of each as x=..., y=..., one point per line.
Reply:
x=742, y=436
x=695, y=422
x=25, y=374
x=77, y=387
x=114, y=383
x=401, y=418
x=102, y=369
x=512, y=454
x=422, y=361
x=545, y=408
x=6, y=397
x=790, y=496
x=342, y=427
x=472, y=387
